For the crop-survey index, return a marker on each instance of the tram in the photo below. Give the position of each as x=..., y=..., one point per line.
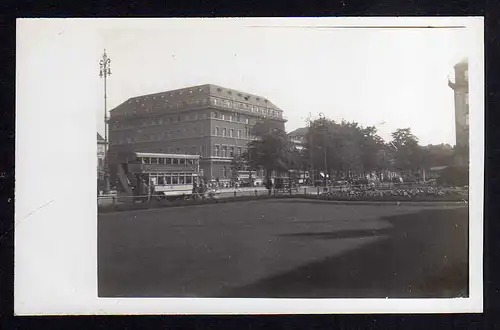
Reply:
x=166, y=175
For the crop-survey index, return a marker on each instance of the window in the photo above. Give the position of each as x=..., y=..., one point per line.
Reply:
x=231, y=132
x=168, y=161
x=182, y=161
x=161, y=161
x=161, y=180
x=216, y=151
x=239, y=134
x=224, y=151
x=181, y=179
x=189, y=179
x=231, y=152
x=224, y=172
x=190, y=161
x=247, y=121
x=175, y=161
x=168, y=179
x=217, y=131
x=175, y=178
x=224, y=132
x=146, y=160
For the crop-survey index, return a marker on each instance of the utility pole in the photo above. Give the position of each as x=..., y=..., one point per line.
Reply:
x=311, y=144
x=323, y=120
x=104, y=72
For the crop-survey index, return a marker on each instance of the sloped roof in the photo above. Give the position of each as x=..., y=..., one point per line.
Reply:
x=187, y=93
x=301, y=131
x=99, y=137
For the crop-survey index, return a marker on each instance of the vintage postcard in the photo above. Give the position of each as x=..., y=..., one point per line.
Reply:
x=249, y=166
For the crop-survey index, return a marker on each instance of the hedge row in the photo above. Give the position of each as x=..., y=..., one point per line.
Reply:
x=163, y=203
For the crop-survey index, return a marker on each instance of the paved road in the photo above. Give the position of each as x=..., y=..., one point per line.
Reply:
x=284, y=248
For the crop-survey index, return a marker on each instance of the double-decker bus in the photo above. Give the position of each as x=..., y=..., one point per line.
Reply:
x=170, y=175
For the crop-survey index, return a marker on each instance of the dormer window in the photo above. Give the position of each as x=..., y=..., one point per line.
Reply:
x=219, y=89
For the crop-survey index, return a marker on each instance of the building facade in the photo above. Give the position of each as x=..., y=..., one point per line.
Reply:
x=208, y=120
x=101, y=154
x=298, y=137
x=459, y=82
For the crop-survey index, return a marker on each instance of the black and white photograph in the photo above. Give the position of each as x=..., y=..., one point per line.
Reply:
x=244, y=165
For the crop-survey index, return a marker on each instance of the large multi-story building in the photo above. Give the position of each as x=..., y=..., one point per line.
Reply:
x=459, y=82
x=211, y=121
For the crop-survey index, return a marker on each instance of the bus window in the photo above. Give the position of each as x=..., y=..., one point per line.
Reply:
x=161, y=161
x=175, y=161
x=168, y=179
x=168, y=161
x=190, y=161
x=175, y=179
x=146, y=160
x=182, y=161
x=189, y=179
x=161, y=180
x=181, y=179
x=154, y=160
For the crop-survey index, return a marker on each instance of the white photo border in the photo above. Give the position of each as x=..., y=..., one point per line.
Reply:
x=56, y=225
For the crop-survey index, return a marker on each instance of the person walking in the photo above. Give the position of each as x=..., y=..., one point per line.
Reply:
x=269, y=185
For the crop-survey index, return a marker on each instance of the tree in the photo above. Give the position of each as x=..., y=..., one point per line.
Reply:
x=408, y=155
x=346, y=147
x=271, y=152
x=238, y=163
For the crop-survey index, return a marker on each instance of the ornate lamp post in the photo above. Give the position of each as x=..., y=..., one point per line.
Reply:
x=104, y=72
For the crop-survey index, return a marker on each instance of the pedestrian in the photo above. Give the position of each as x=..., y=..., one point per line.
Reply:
x=195, y=190
x=269, y=185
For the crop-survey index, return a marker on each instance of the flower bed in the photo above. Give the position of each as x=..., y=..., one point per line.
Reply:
x=388, y=198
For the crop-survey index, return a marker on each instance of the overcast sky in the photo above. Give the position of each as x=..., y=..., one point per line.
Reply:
x=390, y=78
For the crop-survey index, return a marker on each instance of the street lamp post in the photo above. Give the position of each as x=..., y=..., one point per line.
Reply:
x=104, y=72
x=323, y=119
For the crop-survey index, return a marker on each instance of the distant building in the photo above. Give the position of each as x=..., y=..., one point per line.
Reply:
x=459, y=82
x=208, y=120
x=298, y=137
x=101, y=154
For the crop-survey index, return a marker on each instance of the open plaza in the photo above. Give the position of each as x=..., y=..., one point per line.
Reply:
x=286, y=248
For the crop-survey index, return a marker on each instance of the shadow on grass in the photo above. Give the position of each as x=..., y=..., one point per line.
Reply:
x=423, y=255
